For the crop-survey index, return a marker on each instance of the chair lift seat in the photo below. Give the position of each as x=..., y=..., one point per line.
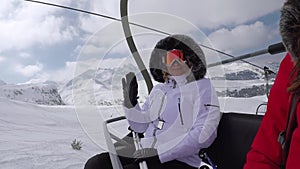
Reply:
x=236, y=132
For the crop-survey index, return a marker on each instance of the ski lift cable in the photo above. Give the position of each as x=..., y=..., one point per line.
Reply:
x=141, y=26
x=241, y=58
x=74, y=9
x=116, y=19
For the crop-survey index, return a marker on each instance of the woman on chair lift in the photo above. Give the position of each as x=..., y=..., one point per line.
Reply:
x=179, y=117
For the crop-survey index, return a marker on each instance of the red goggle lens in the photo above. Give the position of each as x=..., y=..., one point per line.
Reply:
x=173, y=55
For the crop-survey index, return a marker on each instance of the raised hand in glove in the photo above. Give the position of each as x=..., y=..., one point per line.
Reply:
x=130, y=90
x=146, y=154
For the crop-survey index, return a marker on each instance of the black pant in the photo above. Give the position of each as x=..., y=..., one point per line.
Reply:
x=102, y=161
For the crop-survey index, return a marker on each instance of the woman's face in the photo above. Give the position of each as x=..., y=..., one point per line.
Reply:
x=177, y=68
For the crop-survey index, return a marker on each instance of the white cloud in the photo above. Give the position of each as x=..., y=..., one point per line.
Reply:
x=64, y=74
x=27, y=24
x=241, y=37
x=5, y=8
x=61, y=75
x=32, y=27
x=210, y=13
x=29, y=70
x=92, y=23
x=25, y=55
x=2, y=59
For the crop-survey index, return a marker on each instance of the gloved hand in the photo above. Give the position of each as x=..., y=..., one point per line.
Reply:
x=130, y=90
x=146, y=154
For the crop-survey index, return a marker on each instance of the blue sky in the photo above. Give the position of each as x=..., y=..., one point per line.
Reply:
x=40, y=43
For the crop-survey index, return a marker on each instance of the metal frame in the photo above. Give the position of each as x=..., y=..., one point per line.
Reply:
x=112, y=149
x=115, y=161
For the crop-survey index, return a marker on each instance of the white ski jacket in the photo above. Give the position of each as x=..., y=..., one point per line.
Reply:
x=178, y=119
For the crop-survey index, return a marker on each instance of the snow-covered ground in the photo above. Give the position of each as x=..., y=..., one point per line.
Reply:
x=38, y=136
x=35, y=137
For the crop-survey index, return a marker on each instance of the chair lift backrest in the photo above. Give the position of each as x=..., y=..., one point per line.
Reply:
x=235, y=135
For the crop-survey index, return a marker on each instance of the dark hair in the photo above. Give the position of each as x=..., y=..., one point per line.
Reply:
x=193, y=54
x=290, y=33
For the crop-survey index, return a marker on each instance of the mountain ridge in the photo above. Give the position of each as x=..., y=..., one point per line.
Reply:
x=103, y=86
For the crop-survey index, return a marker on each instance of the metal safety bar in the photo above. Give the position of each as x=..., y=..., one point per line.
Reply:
x=112, y=150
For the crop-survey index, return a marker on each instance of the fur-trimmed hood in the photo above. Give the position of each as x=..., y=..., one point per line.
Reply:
x=193, y=54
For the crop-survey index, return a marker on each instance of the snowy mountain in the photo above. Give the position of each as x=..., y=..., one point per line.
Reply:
x=46, y=94
x=96, y=87
x=242, y=75
x=244, y=71
x=103, y=86
x=2, y=83
x=244, y=80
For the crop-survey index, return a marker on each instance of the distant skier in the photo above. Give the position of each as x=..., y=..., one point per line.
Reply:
x=178, y=118
x=272, y=148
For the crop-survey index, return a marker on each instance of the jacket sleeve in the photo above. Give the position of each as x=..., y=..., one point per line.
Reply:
x=265, y=151
x=203, y=131
x=137, y=117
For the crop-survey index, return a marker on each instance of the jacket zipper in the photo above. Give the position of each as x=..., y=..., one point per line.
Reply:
x=180, y=113
x=161, y=105
x=159, y=120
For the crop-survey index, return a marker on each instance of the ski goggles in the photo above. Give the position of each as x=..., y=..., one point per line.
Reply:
x=174, y=55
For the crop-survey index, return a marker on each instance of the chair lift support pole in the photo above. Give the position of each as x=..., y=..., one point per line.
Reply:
x=272, y=49
x=131, y=44
x=138, y=60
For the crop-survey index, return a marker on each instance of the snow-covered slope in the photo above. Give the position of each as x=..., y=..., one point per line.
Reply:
x=35, y=136
x=32, y=93
x=40, y=136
